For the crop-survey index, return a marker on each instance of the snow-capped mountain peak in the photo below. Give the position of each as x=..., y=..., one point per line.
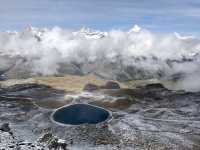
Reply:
x=135, y=29
x=90, y=33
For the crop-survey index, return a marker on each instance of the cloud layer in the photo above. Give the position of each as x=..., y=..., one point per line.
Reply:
x=45, y=49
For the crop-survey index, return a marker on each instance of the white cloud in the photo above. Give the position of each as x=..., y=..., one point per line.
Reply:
x=45, y=49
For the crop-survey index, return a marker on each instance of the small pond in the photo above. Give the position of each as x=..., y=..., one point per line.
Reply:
x=77, y=114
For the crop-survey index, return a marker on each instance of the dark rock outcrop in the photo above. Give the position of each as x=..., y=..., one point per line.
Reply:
x=33, y=90
x=90, y=87
x=5, y=127
x=155, y=86
x=111, y=85
x=118, y=104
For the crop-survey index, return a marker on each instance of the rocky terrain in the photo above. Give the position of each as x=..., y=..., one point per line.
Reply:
x=145, y=116
x=148, y=81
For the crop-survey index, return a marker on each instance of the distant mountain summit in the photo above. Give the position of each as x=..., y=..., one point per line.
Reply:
x=135, y=29
x=90, y=33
